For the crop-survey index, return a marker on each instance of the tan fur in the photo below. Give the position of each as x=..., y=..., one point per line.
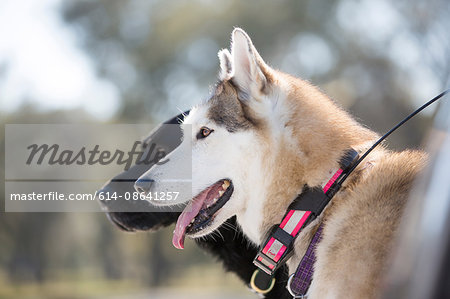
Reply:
x=320, y=132
x=360, y=223
x=360, y=227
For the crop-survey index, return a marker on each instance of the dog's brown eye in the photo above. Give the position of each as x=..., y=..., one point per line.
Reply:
x=204, y=132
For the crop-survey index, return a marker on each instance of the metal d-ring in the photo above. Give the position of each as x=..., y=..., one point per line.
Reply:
x=288, y=287
x=258, y=290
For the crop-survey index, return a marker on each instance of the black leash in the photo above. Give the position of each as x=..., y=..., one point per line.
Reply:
x=342, y=180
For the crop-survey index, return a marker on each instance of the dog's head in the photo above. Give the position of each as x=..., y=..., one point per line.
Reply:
x=249, y=152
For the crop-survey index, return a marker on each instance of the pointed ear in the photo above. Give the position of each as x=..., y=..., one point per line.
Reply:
x=249, y=70
x=226, y=65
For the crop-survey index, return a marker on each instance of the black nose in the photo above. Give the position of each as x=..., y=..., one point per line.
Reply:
x=143, y=185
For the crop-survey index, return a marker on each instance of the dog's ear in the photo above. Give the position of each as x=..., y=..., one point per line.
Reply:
x=248, y=70
x=226, y=65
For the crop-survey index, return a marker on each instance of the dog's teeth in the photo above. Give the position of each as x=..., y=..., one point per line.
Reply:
x=225, y=184
x=221, y=193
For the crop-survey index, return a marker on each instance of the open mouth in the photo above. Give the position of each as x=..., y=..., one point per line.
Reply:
x=201, y=210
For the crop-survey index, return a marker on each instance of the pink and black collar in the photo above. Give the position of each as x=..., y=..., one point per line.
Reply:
x=277, y=248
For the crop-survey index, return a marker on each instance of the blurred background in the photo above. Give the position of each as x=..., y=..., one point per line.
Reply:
x=142, y=61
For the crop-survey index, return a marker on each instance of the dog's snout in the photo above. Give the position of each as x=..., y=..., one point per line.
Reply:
x=143, y=185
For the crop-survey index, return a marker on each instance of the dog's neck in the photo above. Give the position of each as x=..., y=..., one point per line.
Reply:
x=299, y=154
x=268, y=205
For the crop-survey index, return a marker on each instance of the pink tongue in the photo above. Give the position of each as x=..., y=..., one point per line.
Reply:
x=186, y=217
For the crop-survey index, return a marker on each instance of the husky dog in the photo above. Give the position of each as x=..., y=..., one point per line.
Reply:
x=261, y=137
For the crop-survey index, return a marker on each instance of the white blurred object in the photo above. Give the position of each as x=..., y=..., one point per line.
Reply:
x=43, y=64
x=421, y=263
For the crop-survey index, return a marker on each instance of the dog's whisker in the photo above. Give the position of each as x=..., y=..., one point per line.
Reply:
x=220, y=234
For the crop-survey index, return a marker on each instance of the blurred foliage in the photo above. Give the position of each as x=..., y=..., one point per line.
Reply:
x=378, y=59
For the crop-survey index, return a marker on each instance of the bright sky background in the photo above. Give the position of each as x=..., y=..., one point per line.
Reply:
x=44, y=64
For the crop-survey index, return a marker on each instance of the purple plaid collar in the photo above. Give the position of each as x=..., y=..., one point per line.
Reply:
x=299, y=282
